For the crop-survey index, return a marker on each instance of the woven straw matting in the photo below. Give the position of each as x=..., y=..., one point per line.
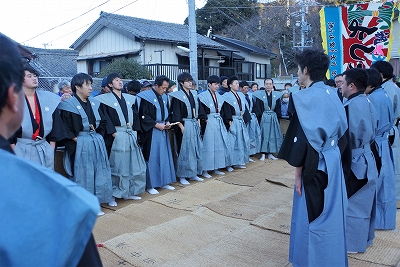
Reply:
x=276, y=220
x=253, y=202
x=199, y=194
x=109, y=259
x=243, y=177
x=133, y=218
x=385, y=249
x=174, y=239
x=286, y=179
x=248, y=246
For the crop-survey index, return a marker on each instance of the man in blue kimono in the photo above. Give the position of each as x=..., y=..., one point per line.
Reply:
x=235, y=113
x=363, y=173
x=252, y=126
x=128, y=168
x=385, y=184
x=184, y=112
x=311, y=144
x=215, y=153
x=154, y=122
x=264, y=106
x=391, y=89
x=41, y=126
x=34, y=232
x=85, y=158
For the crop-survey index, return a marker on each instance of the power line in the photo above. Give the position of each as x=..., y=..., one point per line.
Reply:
x=67, y=21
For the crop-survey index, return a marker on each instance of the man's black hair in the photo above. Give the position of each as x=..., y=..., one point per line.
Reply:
x=31, y=69
x=374, y=77
x=231, y=79
x=213, y=79
x=316, y=62
x=184, y=77
x=269, y=79
x=287, y=84
x=357, y=76
x=160, y=80
x=111, y=77
x=11, y=69
x=79, y=79
x=384, y=68
x=243, y=83
x=338, y=75
x=330, y=82
x=254, y=84
x=133, y=86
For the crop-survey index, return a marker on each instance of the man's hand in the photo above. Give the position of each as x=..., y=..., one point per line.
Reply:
x=160, y=126
x=297, y=179
x=167, y=126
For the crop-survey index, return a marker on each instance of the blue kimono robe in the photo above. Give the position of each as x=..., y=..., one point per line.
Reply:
x=189, y=162
x=46, y=220
x=361, y=181
x=156, y=145
x=385, y=184
x=271, y=135
x=254, y=129
x=91, y=167
x=128, y=168
x=238, y=135
x=317, y=233
x=215, y=152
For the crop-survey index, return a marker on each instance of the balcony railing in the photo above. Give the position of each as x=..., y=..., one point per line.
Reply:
x=172, y=71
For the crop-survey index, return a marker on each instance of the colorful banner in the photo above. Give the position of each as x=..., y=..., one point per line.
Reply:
x=356, y=35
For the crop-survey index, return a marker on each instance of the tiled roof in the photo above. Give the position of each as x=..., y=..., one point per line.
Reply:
x=54, y=62
x=143, y=29
x=242, y=45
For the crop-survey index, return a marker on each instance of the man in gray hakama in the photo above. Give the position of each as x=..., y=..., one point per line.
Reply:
x=183, y=111
x=128, y=168
x=235, y=113
x=385, y=184
x=86, y=157
x=215, y=152
x=41, y=126
x=264, y=105
x=153, y=114
x=363, y=173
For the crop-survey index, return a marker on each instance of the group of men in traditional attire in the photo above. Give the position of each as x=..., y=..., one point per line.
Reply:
x=344, y=177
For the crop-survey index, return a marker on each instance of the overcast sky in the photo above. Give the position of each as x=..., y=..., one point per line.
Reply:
x=31, y=23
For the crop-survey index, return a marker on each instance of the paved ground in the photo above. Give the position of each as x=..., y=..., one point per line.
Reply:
x=238, y=219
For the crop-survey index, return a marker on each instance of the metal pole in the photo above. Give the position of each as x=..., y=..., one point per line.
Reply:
x=192, y=40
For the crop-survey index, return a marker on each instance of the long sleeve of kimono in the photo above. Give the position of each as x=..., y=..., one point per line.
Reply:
x=58, y=131
x=258, y=108
x=178, y=110
x=147, y=115
x=226, y=114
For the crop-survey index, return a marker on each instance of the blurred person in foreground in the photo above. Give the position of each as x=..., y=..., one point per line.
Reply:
x=44, y=229
x=315, y=134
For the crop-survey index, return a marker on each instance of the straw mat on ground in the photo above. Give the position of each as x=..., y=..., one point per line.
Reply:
x=247, y=246
x=253, y=202
x=385, y=249
x=197, y=195
x=173, y=239
x=109, y=259
x=286, y=179
x=133, y=218
x=276, y=220
x=243, y=177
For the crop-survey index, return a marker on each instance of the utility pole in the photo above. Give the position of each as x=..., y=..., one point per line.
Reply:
x=192, y=40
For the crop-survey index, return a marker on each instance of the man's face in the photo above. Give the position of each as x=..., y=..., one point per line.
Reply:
x=244, y=89
x=66, y=90
x=116, y=84
x=187, y=85
x=339, y=82
x=254, y=88
x=234, y=85
x=346, y=88
x=213, y=87
x=161, y=89
x=225, y=83
x=30, y=80
x=269, y=85
x=301, y=75
x=84, y=91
